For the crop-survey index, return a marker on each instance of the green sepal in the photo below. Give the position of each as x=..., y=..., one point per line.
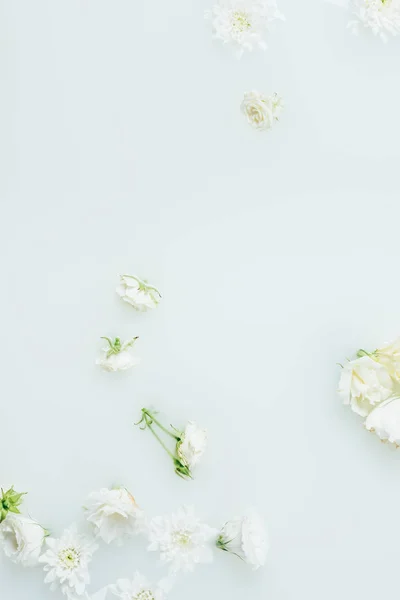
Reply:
x=9, y=502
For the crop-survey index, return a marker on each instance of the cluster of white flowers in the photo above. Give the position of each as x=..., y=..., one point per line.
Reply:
x=370, y=385
x=181, y=539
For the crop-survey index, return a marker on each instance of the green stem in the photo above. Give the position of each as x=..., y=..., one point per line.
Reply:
x=161, y=442
x=164, y=429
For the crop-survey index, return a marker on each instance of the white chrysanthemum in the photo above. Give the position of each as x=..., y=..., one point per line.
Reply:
x=384, y=420
x=182, y=540
x=117, y=356
x=364, y=383
x=137, y=589
x=381, y=16
x=114, y=514
x=261, y=111
x=67, y=561
x=22, y=539
x=246, y=537
x=243, y=23
x=192, y=445
x=138, y=293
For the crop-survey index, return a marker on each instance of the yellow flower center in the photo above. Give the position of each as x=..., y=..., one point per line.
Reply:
x=143, y=595
x=240, y=21
x=182, y=537
x=69, y=557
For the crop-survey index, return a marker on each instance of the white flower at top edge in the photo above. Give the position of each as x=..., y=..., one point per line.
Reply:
x=384, y=420
x=364, y=383
x=114, y=514
x=66, y=562
x=261, y=111
x=192, y=445
x=137, y=589
x=22, y=539
x=382, y=17
x=182, y=540
x=117, y=356
x=246, y=537
x=138, y=293
x=243, y=24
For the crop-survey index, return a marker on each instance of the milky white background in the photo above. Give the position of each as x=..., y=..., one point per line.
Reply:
x=123, y=149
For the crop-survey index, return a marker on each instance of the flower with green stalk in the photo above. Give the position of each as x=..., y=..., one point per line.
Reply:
x=9, y=502
x=189, y=445
x=117, y=355
x=138, y=293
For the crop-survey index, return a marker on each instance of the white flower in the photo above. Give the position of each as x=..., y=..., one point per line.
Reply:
x=22, y=539
x=381, y=16
x=363, y=384
x=182, y=540
x=246, y=537
x=384, y=420
x=389, y=356
x=261, y=111
x=138, y=293
x=114, y=514
x=66, y=563
x=117, y=356
x=137, y=589
x=192, y=445
x=243, y=23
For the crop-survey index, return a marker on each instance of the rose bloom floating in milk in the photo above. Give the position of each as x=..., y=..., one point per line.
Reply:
x=370, y=385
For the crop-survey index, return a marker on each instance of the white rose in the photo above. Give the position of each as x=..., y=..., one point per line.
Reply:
x=114, y=514
x=22, y=539
x=192, y=445
x=384, y=420
x=261, y=111
x=138, y=293
x=118, y=356
x=363, y=384
x=246, y=537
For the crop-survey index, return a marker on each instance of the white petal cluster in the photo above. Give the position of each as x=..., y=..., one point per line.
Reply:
x=182, y=540
x=370, y=385
x=137, y=589
x=114, y=514
x=118, y=356
x=382, y=17
x=261, y=111
x=246, y=537
x=138, y=293
x=22, y=539
x=66, y=562
x=192, y=445
x=243, y=24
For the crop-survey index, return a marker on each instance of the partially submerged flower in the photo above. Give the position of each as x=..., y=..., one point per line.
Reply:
x=10, y=501
x=382, y=17
x=66, y=563
x=364, y=383
x=243, y=24
x=182, y=540
x=138, y=293
x=384, y=420
x=137, y=589
x=189, y=445
x=22, y=539
x=114, y=514
x=246, y=538
x=117, y=356
x=261, y=111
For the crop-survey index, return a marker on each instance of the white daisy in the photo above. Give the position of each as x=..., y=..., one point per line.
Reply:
x=114, y=514
x=182, y=540
x=137, y=589
x=381, y=16
x=138, y=293
x=243, y=24
x=66, y=562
